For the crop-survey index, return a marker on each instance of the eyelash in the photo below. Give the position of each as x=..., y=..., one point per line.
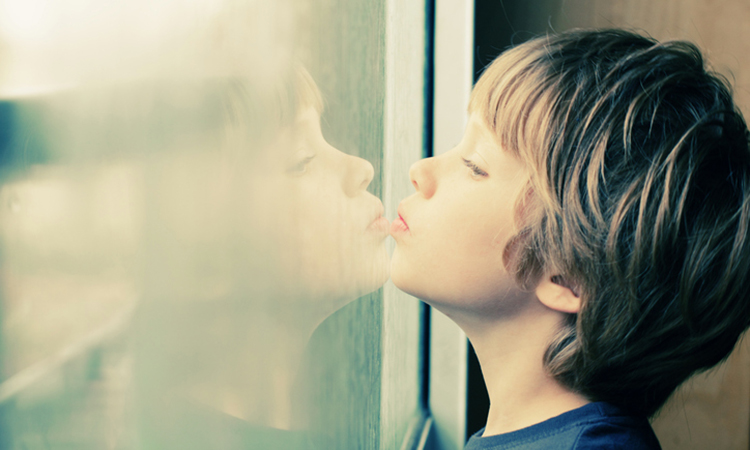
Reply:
x=476, y=171
x=300, y=167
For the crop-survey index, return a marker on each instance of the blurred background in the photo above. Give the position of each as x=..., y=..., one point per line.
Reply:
x=190, y=250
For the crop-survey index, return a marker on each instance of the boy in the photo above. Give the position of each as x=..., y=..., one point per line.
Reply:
x=589, y=234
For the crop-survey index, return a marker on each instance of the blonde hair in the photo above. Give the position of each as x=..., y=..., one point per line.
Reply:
x=639, y=198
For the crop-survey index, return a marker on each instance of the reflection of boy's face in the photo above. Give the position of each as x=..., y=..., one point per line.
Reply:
x=330, y=230
x=453, y=231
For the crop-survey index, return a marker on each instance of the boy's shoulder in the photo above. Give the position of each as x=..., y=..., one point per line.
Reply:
x=596, y=425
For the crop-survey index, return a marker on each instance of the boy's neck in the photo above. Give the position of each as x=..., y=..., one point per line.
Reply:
x=511, y=353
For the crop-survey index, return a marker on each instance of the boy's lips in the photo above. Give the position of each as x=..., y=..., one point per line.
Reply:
x=399, y=226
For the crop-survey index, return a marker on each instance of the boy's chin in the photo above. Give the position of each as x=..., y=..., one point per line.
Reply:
x=408, y=279
x=407, y=284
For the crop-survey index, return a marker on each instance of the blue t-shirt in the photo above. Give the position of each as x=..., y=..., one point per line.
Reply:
x=593, y=426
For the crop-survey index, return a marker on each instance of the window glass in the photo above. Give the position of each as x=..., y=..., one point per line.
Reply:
x=193, y=246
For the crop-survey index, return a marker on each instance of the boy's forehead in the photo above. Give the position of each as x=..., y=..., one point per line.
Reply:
x=485, y=140
x=480, y=116
x=479, y=129
x=488, y=86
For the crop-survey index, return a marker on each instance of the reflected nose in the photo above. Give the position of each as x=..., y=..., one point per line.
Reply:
x=421, y=174
x=359, y=174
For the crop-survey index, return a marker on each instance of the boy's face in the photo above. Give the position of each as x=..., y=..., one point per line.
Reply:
x=453, y=230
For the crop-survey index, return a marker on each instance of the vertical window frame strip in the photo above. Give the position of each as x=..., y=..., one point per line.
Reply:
x=420, y=431
x=402, y=407
x=453, y=80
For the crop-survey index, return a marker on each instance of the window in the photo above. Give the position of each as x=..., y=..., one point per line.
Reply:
x=179, y=266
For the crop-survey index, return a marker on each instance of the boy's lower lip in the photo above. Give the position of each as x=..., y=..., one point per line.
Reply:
x=399, y=227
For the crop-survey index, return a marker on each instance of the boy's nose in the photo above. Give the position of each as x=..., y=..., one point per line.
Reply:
x=359, y=174
x=422, y=177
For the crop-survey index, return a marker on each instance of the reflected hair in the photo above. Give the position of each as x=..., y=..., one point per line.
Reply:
x=639, y=197
x=254, y=111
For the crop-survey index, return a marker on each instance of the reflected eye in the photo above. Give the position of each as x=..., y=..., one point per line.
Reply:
x=475, y=170
x=300, y=166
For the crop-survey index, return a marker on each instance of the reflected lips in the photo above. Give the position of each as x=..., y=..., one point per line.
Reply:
x=380, y=224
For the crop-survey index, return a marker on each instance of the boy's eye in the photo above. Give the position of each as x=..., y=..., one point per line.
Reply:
x=300, y=166
x=476, y=171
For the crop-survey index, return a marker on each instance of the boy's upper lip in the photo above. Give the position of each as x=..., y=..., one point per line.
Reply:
x=400, y=212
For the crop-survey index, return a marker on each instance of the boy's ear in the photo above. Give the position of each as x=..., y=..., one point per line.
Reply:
x=556, y=293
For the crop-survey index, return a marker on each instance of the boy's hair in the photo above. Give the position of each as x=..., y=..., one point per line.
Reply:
x=639, y=198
